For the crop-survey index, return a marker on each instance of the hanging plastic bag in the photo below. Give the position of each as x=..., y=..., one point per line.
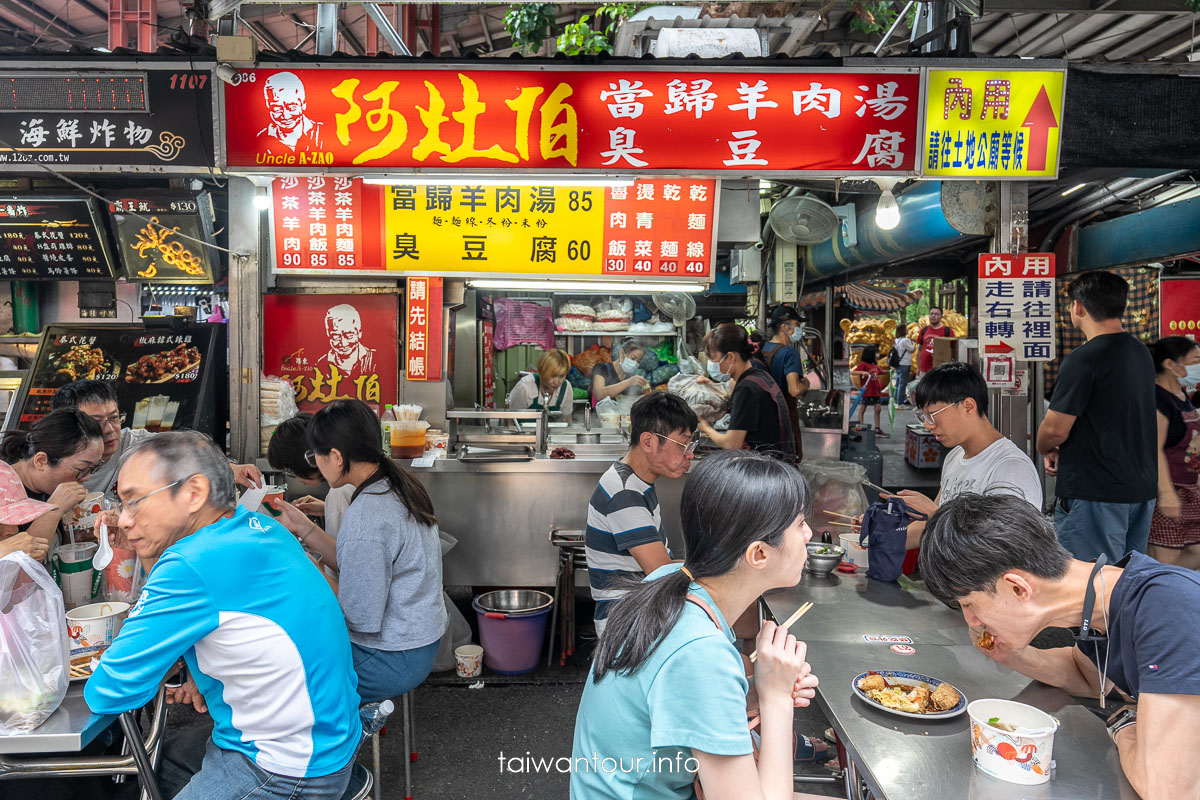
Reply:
x=34, y=648
x=835, y=486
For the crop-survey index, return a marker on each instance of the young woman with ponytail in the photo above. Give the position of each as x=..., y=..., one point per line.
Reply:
x=666, y=701
x=387, y=552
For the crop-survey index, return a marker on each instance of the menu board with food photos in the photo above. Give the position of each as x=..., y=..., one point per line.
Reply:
x=160, y=237
x=165, y=378
x=52, y=238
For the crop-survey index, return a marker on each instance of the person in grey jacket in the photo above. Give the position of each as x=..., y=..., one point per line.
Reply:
x=387, y=552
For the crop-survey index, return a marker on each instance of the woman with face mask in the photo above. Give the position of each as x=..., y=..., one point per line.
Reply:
x=621, y=376
x=1175, y=526
x=758, y=410
x=783, y=360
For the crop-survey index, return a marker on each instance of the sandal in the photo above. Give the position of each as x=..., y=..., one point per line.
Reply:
x=881, y=432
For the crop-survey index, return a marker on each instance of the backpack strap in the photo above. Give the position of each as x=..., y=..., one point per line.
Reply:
x=691, y=598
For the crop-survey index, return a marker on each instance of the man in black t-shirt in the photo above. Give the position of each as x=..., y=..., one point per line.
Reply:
x=1100, y=434
x=998, y=557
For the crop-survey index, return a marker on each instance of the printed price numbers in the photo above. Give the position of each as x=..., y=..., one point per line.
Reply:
x=579, y=251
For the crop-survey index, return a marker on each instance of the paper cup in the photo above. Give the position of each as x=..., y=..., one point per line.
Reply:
x=93, y=627
x=1022, y=756
x=266, y=504
x=84, y=514
x=118, y=576
x=71, y=566
x=468, y=660
x=855, y=552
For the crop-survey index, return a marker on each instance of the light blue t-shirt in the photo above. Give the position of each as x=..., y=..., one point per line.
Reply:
x=263, y=639
x=634, y=734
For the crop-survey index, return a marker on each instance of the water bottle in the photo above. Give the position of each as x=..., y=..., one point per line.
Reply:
x=386, y=420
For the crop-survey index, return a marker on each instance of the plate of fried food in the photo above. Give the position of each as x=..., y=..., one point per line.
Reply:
x=165, y=366
x=79, y=362
x=82, y=667
x=909, y=694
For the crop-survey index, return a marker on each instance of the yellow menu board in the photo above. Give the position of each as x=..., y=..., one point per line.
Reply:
x=987, y=124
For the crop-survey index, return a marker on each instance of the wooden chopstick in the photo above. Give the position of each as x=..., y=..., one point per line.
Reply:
x=836, y=514
x=800, y=612
x=843, y=524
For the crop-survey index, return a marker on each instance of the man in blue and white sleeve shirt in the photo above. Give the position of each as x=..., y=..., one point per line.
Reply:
x=234, y=595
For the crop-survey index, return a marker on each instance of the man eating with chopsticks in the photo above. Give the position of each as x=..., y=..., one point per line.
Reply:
x=999, y=559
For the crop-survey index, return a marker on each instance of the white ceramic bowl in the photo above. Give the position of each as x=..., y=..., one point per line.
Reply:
x=1021, y=756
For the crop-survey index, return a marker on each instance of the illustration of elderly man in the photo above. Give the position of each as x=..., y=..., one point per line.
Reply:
x=343, y=325
x=290, y=130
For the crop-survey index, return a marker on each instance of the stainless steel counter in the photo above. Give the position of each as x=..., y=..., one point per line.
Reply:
x=68, y=730
x=900, y=758
x=502, y=514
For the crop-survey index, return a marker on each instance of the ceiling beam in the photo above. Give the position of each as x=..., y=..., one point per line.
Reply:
x=19, y=18
x=350, y=38
x=1086, y=7
x=43, y=18
x=1175, y=45
x=264, y=35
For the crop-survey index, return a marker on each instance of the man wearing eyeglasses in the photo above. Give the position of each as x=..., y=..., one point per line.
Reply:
x=624, y=527
x=235, y=596
x=98, y=400
x=953, y=403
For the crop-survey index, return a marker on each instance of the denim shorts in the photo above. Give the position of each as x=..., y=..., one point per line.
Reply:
x=228, y=775
x=384, y=674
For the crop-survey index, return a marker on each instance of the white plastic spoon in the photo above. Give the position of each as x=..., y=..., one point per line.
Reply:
x=104, y=555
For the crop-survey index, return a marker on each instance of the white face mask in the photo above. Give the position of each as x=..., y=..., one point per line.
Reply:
x=714, y=371
x=797, y=334
x=1191, y=377
x=628, y=366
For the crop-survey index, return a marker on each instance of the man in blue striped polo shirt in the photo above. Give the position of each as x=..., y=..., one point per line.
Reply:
x=625, y=541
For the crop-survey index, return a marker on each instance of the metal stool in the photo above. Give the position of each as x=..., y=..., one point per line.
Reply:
x=571, y=556
x=409, y=732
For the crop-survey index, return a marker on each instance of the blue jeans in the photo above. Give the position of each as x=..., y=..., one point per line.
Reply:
x=1088, y=528
x=384, y=674
x=903, y=373
x=227, y=775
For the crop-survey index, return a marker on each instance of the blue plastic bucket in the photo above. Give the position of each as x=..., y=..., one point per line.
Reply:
x=512, y=629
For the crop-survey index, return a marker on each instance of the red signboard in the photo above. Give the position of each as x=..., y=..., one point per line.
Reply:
x=488, y=356
x=836, y=122
x=325, y=223
x=660, y=228
x=423, y=334
x=1180, y=306
x=333, y=346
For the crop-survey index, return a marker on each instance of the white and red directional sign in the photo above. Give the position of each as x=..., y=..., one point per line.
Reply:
x=1016, y=310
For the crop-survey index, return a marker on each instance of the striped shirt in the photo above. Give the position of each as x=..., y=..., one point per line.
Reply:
x=622, y=514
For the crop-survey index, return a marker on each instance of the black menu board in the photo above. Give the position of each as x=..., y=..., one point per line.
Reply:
x=52, y=238
x=165, y=378
x=157, y=233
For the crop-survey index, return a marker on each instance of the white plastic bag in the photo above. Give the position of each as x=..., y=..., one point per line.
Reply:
x=835, y=486
x=709, y=400
x=34, y=648
x=277, y=398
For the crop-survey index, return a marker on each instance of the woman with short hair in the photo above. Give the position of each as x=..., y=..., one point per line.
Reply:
x=53, y=458
x=547, y=388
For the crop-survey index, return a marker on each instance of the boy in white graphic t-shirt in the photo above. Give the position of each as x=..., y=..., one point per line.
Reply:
x=953, y=401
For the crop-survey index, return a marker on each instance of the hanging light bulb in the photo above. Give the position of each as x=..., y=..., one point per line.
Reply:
x=887, y=212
